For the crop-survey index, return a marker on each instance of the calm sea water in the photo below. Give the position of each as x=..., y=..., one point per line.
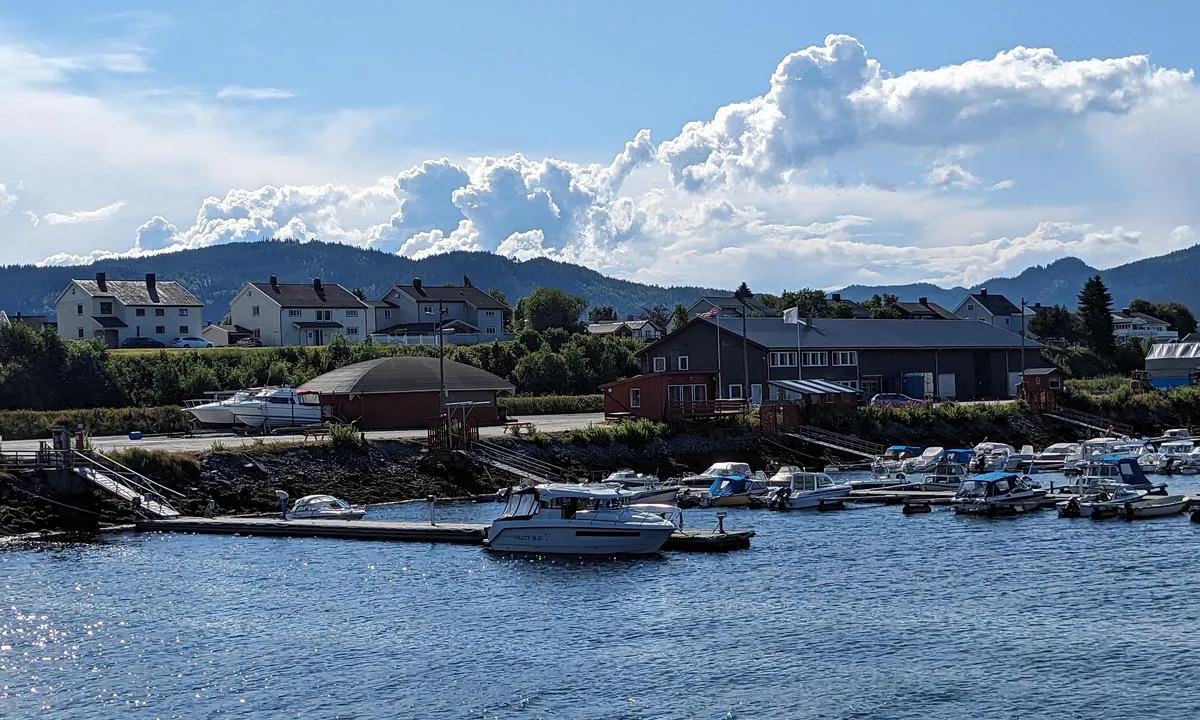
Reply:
x=864, y=613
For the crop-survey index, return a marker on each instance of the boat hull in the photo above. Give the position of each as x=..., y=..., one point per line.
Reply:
x=257, y=417
x=809, y=500
x=212, y=414
x=595, y=539
x=658, y=496
x=1156, y=508
x=351, y=514
x=738, y=500
x=1000, y=509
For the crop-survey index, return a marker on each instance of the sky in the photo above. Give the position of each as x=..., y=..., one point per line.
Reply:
x=785, y=144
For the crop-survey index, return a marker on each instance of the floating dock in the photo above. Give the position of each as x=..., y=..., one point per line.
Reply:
x=398, y=531
x=888, y=496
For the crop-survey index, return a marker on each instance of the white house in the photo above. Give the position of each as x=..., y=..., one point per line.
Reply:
x=116, y=310
x=468, y=314
x=993, y=309
x=1130, y=323
x=640, y=329
x=282, y=314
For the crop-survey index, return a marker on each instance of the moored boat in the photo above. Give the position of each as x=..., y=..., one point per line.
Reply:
x=997, y=494
x=804, y=490
x=324, y=507
x=565, y=519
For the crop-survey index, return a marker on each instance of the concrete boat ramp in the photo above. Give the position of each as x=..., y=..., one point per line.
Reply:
x=398, y=531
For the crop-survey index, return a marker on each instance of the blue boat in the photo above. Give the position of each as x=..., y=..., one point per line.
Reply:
x=997, y=493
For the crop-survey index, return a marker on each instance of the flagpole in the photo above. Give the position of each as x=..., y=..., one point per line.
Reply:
x=799, y=360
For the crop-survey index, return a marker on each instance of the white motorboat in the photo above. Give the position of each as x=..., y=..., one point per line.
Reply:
x=1101, y=503
x=324, y=507
x=220, y=412
x=892, y=460
x=804, y=490
x=1151, y=506
x=1170, y=457
x=1125, y=501
x=1054, y=457
x=563, y=519
x=646, y=489
x=278, y=407
x=991, y=456
x=1019, y=462
x=997, y=493
x=714, y=472
x=923, y=462
x=941, y=477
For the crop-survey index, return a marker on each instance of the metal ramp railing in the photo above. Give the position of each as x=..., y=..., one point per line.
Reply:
x=835, y=441
x=518, y=463
x=1092, y=422
x=147, y=496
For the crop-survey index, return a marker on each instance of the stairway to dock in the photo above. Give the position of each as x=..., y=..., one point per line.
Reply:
x=847, y=444
x=147, y=496
x=1091, y=422
x=514, y=462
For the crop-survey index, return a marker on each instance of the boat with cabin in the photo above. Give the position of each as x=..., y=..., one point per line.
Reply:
x=796, y=489
x=923, y=462
x=1054, y=457
x=219, y=412
x=278, y=407
x=945, y=476
x=734, y=492
x=714, y=472
x=566, y=519
x=646, y=489
x=324, y=507
x=991, y=456
x=997, y=494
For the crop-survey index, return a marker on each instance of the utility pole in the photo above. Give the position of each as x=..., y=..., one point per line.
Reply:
x=743, y=294
x=1022, y=340
x=441, y=331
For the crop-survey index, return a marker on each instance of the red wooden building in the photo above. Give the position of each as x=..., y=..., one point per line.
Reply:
x=666, y=395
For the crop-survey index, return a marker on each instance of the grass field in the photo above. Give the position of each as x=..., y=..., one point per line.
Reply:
x=172, y=351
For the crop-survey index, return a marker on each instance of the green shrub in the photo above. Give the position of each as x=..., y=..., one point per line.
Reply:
x=346, y=437
x=552, y=404
x=30, y=424
x=633, y=433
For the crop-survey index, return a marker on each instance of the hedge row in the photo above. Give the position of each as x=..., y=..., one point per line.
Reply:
x=31, y=424
x=552, y=404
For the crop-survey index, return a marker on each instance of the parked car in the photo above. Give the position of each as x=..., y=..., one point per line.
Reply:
x=190, y=341
x=141, y=342
x=893, y=400
x=248, y=342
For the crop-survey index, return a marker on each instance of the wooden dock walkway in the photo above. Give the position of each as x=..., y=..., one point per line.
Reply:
x=398, y=531
x=888, y=496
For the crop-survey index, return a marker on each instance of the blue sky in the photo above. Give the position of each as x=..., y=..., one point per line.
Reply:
x=220, y=122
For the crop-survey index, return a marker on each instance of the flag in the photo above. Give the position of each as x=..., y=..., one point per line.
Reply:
x=710, y=313
x=791, y=316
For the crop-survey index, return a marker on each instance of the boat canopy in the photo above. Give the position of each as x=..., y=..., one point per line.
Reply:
x=727, y=469
x=959, y=455
x=994, y=477
x=907, y=449
x=728, y=486
x=1131, y=472
x=319, y=500
x=562, y=491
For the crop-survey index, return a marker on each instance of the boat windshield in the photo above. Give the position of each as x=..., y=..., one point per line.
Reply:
x=520, y=505
x=973, y=489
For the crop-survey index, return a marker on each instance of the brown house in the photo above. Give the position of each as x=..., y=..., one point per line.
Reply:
x=667, y=395
x=404, y=392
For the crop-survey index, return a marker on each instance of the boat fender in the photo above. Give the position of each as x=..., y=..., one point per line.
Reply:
x=1128, y=511
x=899, y=476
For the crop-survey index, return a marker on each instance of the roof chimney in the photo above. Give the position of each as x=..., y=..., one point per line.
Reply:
x=1126, y=311
x=983, y=292
x=923, y=301
x=317, y=285
x=837, y=297
x=417, y=285
x=151, y=282
x=101, y=281
x=275, y=283
x=466, y=281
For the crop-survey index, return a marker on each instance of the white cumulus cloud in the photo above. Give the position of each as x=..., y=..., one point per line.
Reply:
x=238, y=92
x=83, y=216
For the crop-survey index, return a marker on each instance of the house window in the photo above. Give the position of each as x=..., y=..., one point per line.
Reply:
x=183, y=312
x=852, y=384
x=815, y=359
x=683, y=362
x=970, y=307
x=735, y=392
x=160, y=312
x=291, y=313
x=140, y=312
x=80, y=333
x=489, y=313
x=160, y=330
x=79, y=309
x=351, y=331
x=254, y=311
x=660, y=364
x=845, y=357
x=1055, y=383
x=635, y=398
x=490, y=331
x=387, y=314
x=257, y=332
x=351, y=313
x=183, y=329
x=782, y=359
x=325, y=315
x=106, y=308
x=1006, y=321
x=700, y=393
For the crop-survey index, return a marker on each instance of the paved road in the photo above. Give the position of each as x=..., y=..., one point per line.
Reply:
x=201, y=442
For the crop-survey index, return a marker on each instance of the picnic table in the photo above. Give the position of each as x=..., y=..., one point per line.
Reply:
x=516, y=428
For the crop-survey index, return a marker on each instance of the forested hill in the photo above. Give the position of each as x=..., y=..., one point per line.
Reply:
x=1168, y=277
x=215, y=274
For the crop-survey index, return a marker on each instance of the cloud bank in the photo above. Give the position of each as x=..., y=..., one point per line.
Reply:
x=759, y=190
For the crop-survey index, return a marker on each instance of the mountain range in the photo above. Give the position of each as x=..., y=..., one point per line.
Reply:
x=214, y=274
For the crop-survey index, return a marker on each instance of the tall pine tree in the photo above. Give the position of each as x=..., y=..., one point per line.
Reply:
x=1095, y=309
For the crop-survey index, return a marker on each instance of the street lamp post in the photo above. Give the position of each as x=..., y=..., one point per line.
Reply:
x=441, y=343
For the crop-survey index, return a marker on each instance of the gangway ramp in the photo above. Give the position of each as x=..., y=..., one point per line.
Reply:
x=147, y=496
x=1098, y=423
x=517, y=463
x=835, y=441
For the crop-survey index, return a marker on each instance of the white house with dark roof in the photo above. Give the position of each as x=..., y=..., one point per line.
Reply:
x=116, y=310
x=640, y=329
x=284, y=314
x=1129, y=323
x=993, y=309
x=468, y=314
